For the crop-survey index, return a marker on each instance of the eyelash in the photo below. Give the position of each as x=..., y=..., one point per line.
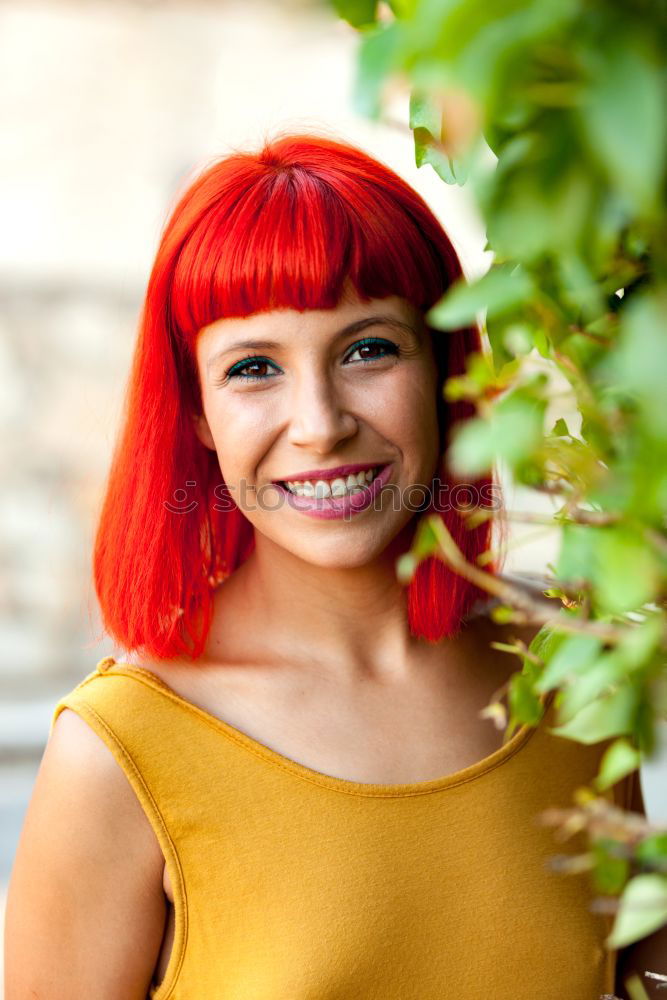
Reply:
x=389, y=348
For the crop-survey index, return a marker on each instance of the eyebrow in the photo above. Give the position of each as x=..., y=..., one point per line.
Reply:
x=272, y=345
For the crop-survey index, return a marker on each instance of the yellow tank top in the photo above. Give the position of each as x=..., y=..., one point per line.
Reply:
x=290, y=884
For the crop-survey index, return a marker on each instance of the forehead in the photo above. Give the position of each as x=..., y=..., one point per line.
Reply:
x=289, y=326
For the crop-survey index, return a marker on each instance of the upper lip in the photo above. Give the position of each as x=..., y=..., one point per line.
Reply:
x=337, y=471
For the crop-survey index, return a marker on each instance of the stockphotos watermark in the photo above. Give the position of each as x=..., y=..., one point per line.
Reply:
x=461, y=497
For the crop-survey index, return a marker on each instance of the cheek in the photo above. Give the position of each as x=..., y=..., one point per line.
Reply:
x=411, y=409
x=241, y=433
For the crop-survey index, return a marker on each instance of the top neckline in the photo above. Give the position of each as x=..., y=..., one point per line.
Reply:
x=109, y=665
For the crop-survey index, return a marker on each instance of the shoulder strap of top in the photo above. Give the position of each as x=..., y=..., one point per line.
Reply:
x=146, y=729
x=190, y=764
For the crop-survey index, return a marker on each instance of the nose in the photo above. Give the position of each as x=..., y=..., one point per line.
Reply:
x=319, y=419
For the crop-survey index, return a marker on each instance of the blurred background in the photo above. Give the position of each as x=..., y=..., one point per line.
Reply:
x=107, y=109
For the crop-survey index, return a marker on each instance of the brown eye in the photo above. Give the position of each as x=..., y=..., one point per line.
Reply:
x=373, y=348
x=256, y=368
x=251, y=369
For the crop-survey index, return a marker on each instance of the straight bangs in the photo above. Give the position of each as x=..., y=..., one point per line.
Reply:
x=289, y=238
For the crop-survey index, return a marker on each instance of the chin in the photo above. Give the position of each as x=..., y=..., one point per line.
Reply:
x=336, y=554
x=332, y=553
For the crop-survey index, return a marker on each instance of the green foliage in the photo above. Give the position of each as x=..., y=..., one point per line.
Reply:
x=524, y=705
x=611, y=715
x=554, y=114
x=642, y=910
x=424, y=544
x=652, y=851
x=426, y=125
x=611, y=871
x=500, y=290
x=356, y=12
x=619, y=760
x=573, y=657
x=603, y=555
x=512, y=432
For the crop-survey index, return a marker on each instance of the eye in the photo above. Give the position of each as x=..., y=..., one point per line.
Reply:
x=373, y=348
x=242, y=368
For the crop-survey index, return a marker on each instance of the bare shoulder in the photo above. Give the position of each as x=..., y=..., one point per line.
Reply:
x=85, y=909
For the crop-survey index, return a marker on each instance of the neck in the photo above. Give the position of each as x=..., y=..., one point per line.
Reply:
x=351, y=622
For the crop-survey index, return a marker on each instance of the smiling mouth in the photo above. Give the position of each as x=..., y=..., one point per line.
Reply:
x=339, y=486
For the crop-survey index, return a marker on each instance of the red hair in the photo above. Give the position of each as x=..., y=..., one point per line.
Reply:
x=282, y=227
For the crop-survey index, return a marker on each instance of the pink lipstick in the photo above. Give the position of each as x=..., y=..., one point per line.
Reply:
x=329, y=508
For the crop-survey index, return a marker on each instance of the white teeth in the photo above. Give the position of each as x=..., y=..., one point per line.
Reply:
x=338, y=487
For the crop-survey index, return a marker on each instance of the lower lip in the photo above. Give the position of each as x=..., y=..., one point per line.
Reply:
x=329, y=508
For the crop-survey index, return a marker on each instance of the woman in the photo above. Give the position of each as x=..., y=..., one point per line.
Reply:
x=284, y=789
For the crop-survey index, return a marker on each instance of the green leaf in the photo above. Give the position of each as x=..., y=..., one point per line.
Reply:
x=427, y=153
x=512, y=432
x=623, y=117
x=576, y=552
x=560, y=428
x=625, y=571
x=652, y=851
x=607, y=671
x=425, y=543
x=423, y=113
x=640, y=642
x=575, y=654
x=529, y=216
x=403, y=8
x=502, y=613
x=425, y=118
x=639, y=362
x=525, y=707
x=618, y=760
x=545, y=642
x=613, y=715
x=517, y=339
x=542, y=343
x=376, y=61
x=502, y=288
x=406, y=566
x=610, y=872
x=356, y=12
x=617, y=560
x=642, y=910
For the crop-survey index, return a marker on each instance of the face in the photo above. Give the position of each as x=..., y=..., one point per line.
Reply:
x=303, y=407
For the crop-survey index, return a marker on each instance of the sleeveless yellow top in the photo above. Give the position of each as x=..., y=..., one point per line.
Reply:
x=290, y=884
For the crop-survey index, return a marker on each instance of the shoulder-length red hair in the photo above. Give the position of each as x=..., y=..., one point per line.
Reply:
x=281, y=227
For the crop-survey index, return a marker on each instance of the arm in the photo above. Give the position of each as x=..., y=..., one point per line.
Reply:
x=85, y=909
x=650, y=953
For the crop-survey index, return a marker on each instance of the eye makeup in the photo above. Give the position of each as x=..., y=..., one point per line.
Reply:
x=239, y=370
